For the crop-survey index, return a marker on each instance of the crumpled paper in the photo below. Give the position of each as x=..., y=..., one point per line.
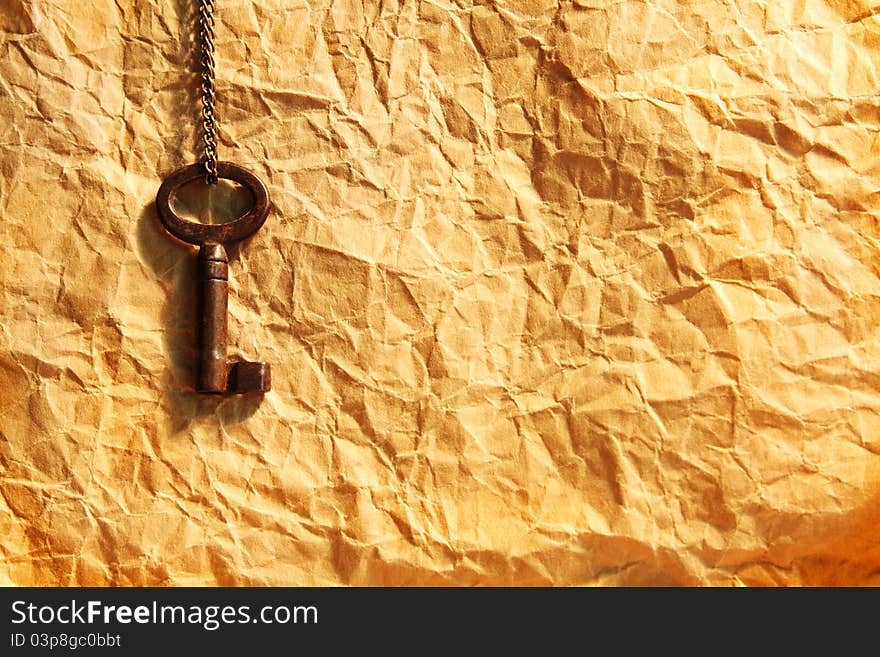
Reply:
x=554, y=293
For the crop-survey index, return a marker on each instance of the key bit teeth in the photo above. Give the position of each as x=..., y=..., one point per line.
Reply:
x=248, y=377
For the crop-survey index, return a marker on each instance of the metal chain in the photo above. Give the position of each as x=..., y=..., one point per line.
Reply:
x=209, y=119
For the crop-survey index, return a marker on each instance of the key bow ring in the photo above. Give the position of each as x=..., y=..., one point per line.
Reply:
x=196, y=233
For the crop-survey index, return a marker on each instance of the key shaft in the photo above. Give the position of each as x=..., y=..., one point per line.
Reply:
x=213, y=335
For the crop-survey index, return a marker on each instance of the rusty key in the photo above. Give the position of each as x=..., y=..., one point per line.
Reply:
x=216, y=374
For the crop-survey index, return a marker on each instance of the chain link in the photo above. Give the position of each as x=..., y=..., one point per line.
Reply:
x=209, y=118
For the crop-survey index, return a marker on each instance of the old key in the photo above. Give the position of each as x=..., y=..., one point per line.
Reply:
x=216, y=375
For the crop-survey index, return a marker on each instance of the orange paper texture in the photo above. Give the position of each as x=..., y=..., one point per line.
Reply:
x=553, y=294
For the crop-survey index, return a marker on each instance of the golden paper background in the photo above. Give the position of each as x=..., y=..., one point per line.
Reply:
x=553, y=292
